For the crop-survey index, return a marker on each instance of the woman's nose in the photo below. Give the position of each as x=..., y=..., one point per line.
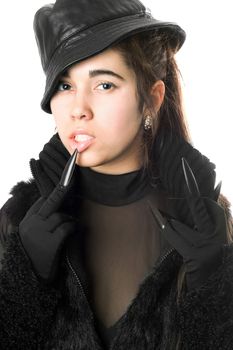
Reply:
x=80, y=108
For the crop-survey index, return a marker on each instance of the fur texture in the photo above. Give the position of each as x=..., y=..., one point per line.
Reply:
x=59, y=317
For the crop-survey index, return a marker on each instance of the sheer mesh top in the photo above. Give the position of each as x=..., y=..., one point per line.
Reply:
x=122, y=241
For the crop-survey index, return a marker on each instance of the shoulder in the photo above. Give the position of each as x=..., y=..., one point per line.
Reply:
x=23, y=195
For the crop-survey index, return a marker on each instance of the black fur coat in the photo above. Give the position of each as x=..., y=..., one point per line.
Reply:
x=38, y=316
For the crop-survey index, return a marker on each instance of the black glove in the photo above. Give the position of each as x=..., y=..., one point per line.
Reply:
x=44, y=230
x=200, y=247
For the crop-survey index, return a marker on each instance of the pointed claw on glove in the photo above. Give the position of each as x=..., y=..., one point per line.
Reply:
x=217, y=190
x=69, y=169
x=190, y=180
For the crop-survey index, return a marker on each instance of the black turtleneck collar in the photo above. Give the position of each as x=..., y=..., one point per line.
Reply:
x=113, y=190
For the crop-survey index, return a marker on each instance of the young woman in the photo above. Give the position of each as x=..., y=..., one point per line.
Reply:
x=129, y=246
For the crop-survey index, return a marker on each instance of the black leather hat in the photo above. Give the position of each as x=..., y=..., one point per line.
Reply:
x=72, y=30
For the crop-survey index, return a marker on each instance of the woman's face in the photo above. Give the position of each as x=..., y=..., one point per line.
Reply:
x=95, y=108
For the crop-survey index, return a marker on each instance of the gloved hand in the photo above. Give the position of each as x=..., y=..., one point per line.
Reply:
x=201, y=246
x=44, y=230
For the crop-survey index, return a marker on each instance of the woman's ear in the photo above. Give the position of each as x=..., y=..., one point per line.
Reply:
x=158, y=93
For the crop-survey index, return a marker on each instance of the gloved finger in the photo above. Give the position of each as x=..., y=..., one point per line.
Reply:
x=217, y=214
x=189, y=237
x=201, y=217
x=179, y=236
x=53, y=202
x=65, y=229
x=57, y=219
x=195, y=201
x=55, y=199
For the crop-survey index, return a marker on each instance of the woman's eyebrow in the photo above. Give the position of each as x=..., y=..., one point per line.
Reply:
x=95, y=72
x=65, y=74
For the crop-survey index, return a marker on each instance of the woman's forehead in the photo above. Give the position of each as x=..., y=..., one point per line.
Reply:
x=110, y=60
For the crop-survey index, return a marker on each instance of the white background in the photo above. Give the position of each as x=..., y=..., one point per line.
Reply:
x=206, y=63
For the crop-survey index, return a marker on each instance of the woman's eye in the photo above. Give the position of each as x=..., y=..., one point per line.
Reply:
x=106, y=86
x=63, y=86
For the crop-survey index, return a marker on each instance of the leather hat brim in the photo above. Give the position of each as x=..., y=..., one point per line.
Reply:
x=95, y=39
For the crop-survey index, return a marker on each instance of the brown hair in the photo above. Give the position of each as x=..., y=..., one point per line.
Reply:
x=150, y=57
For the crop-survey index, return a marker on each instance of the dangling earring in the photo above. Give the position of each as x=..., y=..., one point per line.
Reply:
x=147, y=122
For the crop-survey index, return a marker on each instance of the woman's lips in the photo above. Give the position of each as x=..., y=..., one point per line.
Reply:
x=81, y=141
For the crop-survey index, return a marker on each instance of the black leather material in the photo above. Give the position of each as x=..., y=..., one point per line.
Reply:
x=72, y=30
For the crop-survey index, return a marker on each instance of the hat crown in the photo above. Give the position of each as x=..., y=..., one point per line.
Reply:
x=69, y=17
x=70, y=31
